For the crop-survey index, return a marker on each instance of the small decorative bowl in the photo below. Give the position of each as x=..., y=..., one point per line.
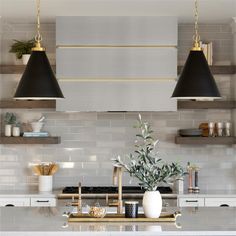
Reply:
x=97, y=212
x=36, y=126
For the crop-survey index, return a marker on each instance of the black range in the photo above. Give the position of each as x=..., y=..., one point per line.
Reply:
x=110, y=189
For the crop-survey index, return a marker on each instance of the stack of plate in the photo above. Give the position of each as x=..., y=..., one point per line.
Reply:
x=190, y=132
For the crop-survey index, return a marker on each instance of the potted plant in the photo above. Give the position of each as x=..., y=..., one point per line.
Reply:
x=9, y=120
x=145, y=165
x=22, y=49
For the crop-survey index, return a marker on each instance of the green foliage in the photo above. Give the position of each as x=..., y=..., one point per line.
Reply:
x=22, y=47
x=144, y=163
x=10, y=118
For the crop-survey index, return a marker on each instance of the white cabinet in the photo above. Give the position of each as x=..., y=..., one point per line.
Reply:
x=28, y=201
x=43, y=202
x=14, y=201
x=220, y=202
x=206, y=201
x=191, y=202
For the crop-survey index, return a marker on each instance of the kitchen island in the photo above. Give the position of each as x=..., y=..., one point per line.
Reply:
x=50, y=221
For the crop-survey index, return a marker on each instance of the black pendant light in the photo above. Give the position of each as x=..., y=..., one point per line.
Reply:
x=38, y=81
x=196, y=80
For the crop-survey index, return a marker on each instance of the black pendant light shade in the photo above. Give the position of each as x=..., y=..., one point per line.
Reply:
x=38, y=80
x=196, y=80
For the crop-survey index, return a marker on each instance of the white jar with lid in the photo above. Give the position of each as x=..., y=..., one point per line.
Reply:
x=16, y=131
x=8, y=130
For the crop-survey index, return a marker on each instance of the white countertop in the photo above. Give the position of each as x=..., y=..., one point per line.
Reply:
x=49, y=221
x=210, y=193
x=60, y=195
x=26, y=193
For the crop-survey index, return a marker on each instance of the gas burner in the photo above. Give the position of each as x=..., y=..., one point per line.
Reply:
x=111, y=189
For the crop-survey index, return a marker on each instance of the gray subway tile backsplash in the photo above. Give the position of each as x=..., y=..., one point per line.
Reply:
x=85, y=152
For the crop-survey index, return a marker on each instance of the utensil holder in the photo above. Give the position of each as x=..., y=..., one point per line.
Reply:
x=45, y=183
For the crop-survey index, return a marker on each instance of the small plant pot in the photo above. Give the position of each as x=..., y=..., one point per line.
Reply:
x=8, y=130
x=25, y=58
x=45, y=183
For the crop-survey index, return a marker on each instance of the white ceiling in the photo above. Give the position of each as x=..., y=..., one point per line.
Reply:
x=210, y=10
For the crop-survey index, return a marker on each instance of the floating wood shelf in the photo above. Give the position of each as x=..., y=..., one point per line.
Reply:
x=206, y=104
x=217, y=70
x=205, y=140
x=16, y=69
x=27, y=104
x=30, y=140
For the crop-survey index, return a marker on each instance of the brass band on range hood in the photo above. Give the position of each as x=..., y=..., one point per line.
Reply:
x=115, y=46
x=77, y=79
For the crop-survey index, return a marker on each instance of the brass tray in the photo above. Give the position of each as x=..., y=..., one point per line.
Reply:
x=165, y=217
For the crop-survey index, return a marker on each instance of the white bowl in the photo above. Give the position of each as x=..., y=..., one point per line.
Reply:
x=37, y=126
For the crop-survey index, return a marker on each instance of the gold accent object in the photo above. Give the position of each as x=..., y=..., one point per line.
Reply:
x=79, y=206
x=38, y=38
x=121, y=218
x=196, y=37
x=117, y=177
x=97, y=212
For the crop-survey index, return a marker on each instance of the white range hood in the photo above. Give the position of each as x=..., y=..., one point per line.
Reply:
x=116, y=63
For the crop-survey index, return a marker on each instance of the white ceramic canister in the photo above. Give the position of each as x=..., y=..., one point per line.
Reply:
x=152, y=204
x=45, y=183
x=8, y=130
x=179, y=185
x=16, y=131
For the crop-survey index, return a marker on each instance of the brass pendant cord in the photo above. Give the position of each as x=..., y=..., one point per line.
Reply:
x=38, y=38
x=196, y=37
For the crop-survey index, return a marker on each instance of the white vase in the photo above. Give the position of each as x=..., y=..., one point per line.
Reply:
x=152, y=204
x=25, y=58
x=8, y=130
x=45, y=183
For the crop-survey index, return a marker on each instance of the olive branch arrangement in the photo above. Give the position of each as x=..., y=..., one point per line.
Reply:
x=144, y=163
